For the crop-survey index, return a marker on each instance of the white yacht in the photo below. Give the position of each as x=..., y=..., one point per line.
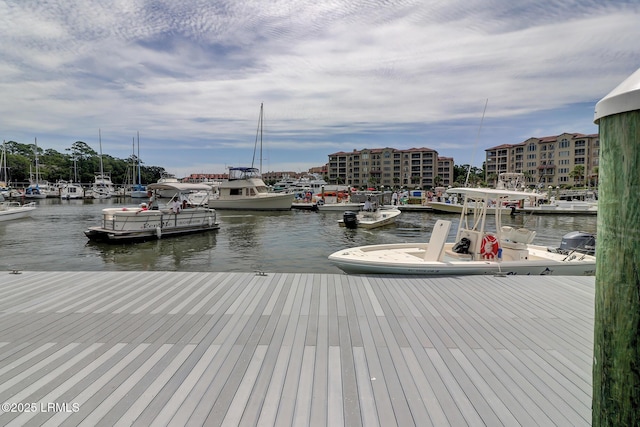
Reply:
x=70, y=190
x=166, y=178
x=245, y=190
x=102, y=187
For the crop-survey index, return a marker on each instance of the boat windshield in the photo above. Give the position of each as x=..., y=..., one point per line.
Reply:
x=243, y=173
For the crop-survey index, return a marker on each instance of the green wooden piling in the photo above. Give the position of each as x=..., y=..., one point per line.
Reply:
x=616, y=357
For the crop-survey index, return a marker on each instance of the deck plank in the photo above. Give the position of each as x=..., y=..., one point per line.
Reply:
x=185, y=348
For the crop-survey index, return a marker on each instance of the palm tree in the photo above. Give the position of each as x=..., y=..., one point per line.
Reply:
x=577, y=173
x=594, y=176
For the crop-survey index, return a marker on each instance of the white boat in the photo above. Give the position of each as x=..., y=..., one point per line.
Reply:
x=5, y=189
x=245, y=190
x=166, y=178
x=337, y=200
x=14, y=210
x=342, y=206
x=457, y=208
x=37, y=188
x=138, y=223
x=70, y=190
x=369, y=219
x=476, y=250
x=35, y=192
x=561, y=207
x=102, y=187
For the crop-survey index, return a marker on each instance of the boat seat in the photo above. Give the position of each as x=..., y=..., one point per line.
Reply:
x=435, y=248
x=476, y=241
x=516, y=238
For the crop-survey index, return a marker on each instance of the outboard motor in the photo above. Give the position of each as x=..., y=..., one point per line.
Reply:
x=462, y=247
x=578, y=241
x=350, y=219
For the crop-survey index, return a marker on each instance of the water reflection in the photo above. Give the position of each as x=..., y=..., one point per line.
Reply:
x=175, y=253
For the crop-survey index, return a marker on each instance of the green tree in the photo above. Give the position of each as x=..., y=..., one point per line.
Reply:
x=577, y=174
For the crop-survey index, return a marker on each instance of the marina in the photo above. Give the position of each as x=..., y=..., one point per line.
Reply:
x=251, y=325
x=185, y=348
x=295, y=241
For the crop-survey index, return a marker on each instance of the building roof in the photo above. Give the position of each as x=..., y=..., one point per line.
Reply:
x=551, y=138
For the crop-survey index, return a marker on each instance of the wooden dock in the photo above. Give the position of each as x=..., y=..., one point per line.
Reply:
x=180, y=348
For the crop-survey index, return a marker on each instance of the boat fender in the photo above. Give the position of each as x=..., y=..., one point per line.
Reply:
x=158, y=232
x=489, y=248
x=210, y=222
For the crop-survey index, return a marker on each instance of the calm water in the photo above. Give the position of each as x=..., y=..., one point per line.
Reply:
x=295, y=241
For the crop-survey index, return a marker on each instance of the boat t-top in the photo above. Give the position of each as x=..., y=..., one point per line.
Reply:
x=477, y=249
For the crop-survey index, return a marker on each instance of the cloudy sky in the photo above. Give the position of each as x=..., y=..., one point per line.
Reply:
x=334, y=75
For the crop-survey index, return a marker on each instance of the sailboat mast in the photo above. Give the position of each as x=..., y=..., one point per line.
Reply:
x=133, y=164
x=5, y=175
x=100, y=141
x=138, y=159
x=261, y=127
x=258, y=136
x=37, y=167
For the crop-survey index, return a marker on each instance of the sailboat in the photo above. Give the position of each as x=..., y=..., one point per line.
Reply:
x=138, y=190
x=245, y=189
x=36, y=188
x=102, y=187
x=71, y=189
x=5, y=191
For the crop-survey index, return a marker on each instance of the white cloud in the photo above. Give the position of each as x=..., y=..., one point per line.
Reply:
x=333, y=75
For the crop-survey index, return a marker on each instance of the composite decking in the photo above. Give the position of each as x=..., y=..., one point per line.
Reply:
x=180, y=348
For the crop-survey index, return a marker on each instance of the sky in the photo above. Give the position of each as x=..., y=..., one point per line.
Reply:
x=456, y=76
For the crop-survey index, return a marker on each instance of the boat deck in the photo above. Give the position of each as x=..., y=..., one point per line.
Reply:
x=180, y=348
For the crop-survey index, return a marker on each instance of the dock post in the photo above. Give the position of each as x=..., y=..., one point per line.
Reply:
x=616, y=354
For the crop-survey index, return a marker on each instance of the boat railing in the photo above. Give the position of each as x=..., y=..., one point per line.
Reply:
x=120, y=219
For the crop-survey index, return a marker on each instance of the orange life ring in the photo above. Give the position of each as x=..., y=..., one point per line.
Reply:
x=489, y=247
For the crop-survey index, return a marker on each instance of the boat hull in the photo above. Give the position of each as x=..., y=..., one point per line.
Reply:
x=407, y=259
x=374, y=219
x=270, y=202
x=13, y=210
x=560, y=210
x=135, y=224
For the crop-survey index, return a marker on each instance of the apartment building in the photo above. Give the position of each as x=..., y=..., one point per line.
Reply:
x=390, y=167
x=547, y=161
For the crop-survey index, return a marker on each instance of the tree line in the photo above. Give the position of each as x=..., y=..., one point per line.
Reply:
x=79, y=164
